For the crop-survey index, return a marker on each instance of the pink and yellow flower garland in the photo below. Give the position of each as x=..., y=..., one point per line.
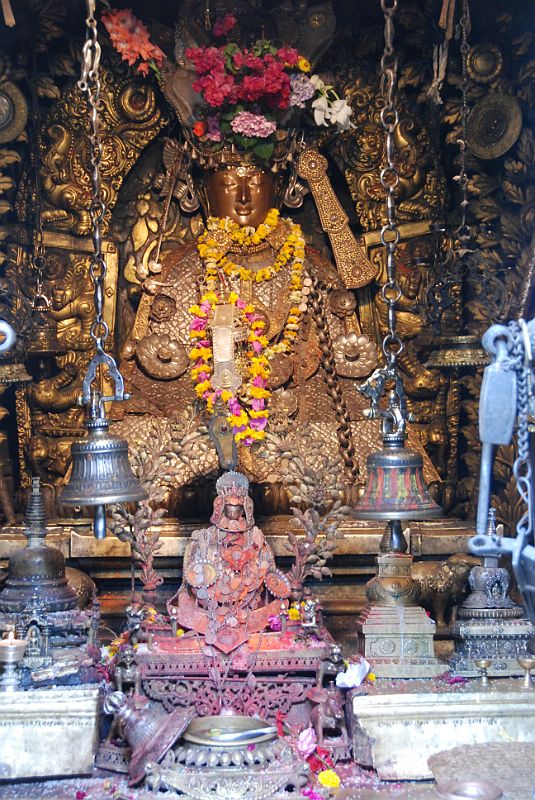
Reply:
x=248, y=414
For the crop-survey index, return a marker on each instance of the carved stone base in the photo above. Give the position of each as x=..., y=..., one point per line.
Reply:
x=48, y=732
x=397, y=726
x=398, y=642
x=501, y=640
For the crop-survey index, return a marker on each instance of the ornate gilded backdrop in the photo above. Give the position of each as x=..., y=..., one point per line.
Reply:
x=493, y=282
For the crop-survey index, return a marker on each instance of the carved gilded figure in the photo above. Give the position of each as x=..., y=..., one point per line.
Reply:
x=248, y=310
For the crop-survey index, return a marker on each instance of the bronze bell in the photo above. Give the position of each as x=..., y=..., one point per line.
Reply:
x=150, y=732
x=101, y=473
x=396, y=489
x=42, y=338
x=36, y=571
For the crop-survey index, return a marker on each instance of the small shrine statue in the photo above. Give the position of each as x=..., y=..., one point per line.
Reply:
x=126, y=671
x=229, y=573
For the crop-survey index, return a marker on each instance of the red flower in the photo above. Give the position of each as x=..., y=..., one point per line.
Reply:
x=131, y=39
x=216, y=88
x=252, y=88
x=200, y=128
x=224, y=25
x=238, y=59
x=206, y=59
x=289, y=55
x=253, y=62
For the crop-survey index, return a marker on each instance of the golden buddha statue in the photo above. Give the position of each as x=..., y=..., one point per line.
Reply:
x=248, y=318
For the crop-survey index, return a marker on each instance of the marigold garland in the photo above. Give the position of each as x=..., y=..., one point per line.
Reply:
x=248, y=414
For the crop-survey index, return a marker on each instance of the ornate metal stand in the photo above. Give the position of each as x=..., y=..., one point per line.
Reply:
x=282, y=679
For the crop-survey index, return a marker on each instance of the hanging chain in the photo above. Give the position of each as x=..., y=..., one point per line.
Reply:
x=90, y=85
x=390, y=291
x=345, y=440
x=463, y=231
x=38, y=261
x=522, y=469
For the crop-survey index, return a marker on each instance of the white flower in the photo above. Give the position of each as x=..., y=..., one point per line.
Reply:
x=353, y=676
x=322, y=111
x=318, y=84
x=341, y=113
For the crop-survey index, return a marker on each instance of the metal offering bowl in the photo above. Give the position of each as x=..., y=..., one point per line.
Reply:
x=233, y=730
x=469, y=790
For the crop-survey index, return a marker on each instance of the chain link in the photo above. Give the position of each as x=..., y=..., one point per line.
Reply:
x=89, y=84
x=522, y=469
x=38, y=260
x=463, y=231
x=345, y=439
x=390, y=291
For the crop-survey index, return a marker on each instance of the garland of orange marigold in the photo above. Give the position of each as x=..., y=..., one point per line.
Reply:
x=247, y=410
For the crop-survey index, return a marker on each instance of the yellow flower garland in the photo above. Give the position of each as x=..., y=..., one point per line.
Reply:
x=201, y=355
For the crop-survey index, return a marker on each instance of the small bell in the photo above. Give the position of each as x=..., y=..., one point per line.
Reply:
x=42, y=338
x=396, y=489
x=101, y=473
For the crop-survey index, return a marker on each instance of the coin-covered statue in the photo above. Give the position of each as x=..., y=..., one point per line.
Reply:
x=229, y=570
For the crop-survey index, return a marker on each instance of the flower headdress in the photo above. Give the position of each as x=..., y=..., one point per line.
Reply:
x=247, y=98
x=251, y=96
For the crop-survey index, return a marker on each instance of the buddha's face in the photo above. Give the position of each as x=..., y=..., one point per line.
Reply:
x=243, y=194
x=233, y=511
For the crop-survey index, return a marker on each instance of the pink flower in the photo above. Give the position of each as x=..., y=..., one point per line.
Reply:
x=80, y=794
x=309, y=792
x=258, y=381
x=274, y=622
x=224, y=25
x=254, y=125
x=234, y=407
x=306, y=742
x=198, y=324
x=214, y=133
x=258, y=424
x=258, y=404
x=257, y=347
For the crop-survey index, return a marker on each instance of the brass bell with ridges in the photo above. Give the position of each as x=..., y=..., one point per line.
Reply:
x=396, y=488
x=101, y=473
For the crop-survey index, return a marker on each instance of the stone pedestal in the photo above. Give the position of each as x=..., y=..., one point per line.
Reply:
x=48, y=732
x=500, y=639
x=398, y=642
x=395, y=634
x=396, y=726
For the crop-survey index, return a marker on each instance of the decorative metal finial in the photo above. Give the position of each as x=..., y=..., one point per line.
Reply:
x=35, y=517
